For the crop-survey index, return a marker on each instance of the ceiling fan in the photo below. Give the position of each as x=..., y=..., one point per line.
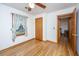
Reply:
x=31, y=5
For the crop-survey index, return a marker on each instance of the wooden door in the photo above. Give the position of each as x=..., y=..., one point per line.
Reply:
x=58, y=26
x=73, y=35
x=69, y=30
x=39, y=28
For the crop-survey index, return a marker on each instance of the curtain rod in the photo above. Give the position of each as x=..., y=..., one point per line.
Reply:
x=19, y=14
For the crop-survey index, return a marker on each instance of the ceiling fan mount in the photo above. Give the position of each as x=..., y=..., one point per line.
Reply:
x=37, y=4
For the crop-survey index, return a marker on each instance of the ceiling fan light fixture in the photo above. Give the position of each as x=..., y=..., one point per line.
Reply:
x=31, y=5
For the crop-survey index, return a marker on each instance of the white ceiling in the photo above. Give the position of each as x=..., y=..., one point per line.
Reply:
x=50, y=7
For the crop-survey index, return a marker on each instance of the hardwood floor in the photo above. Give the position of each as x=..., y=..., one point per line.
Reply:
x=38, y=48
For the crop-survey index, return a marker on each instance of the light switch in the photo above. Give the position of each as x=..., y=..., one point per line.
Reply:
x=53, y=27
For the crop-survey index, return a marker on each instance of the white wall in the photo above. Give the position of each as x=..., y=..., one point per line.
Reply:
x=78, y=28
x=50, y=23
x=6, y=25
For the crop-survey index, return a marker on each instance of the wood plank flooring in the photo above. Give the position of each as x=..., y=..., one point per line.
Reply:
x=38, y=48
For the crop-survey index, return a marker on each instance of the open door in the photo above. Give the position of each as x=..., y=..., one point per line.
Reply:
x=74, y=34
x=58, y=34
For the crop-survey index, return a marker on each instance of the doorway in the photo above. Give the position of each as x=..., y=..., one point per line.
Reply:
x=39, y=28
x=64, y=28
x=69, y=33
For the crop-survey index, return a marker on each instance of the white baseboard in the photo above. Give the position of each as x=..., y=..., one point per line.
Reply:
x=51, y=41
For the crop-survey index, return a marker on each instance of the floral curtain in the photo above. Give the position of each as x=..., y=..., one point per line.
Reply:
x=18, y=25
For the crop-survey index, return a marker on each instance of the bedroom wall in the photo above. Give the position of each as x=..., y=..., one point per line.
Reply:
x=6, y=25
x=78, y=29
x=50, y=23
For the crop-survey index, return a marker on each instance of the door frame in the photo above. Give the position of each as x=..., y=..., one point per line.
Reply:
x=42, y=26
x=63, y=15
x=58, y=23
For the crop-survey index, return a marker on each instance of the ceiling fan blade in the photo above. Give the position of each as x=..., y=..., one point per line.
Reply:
x=41, y=5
